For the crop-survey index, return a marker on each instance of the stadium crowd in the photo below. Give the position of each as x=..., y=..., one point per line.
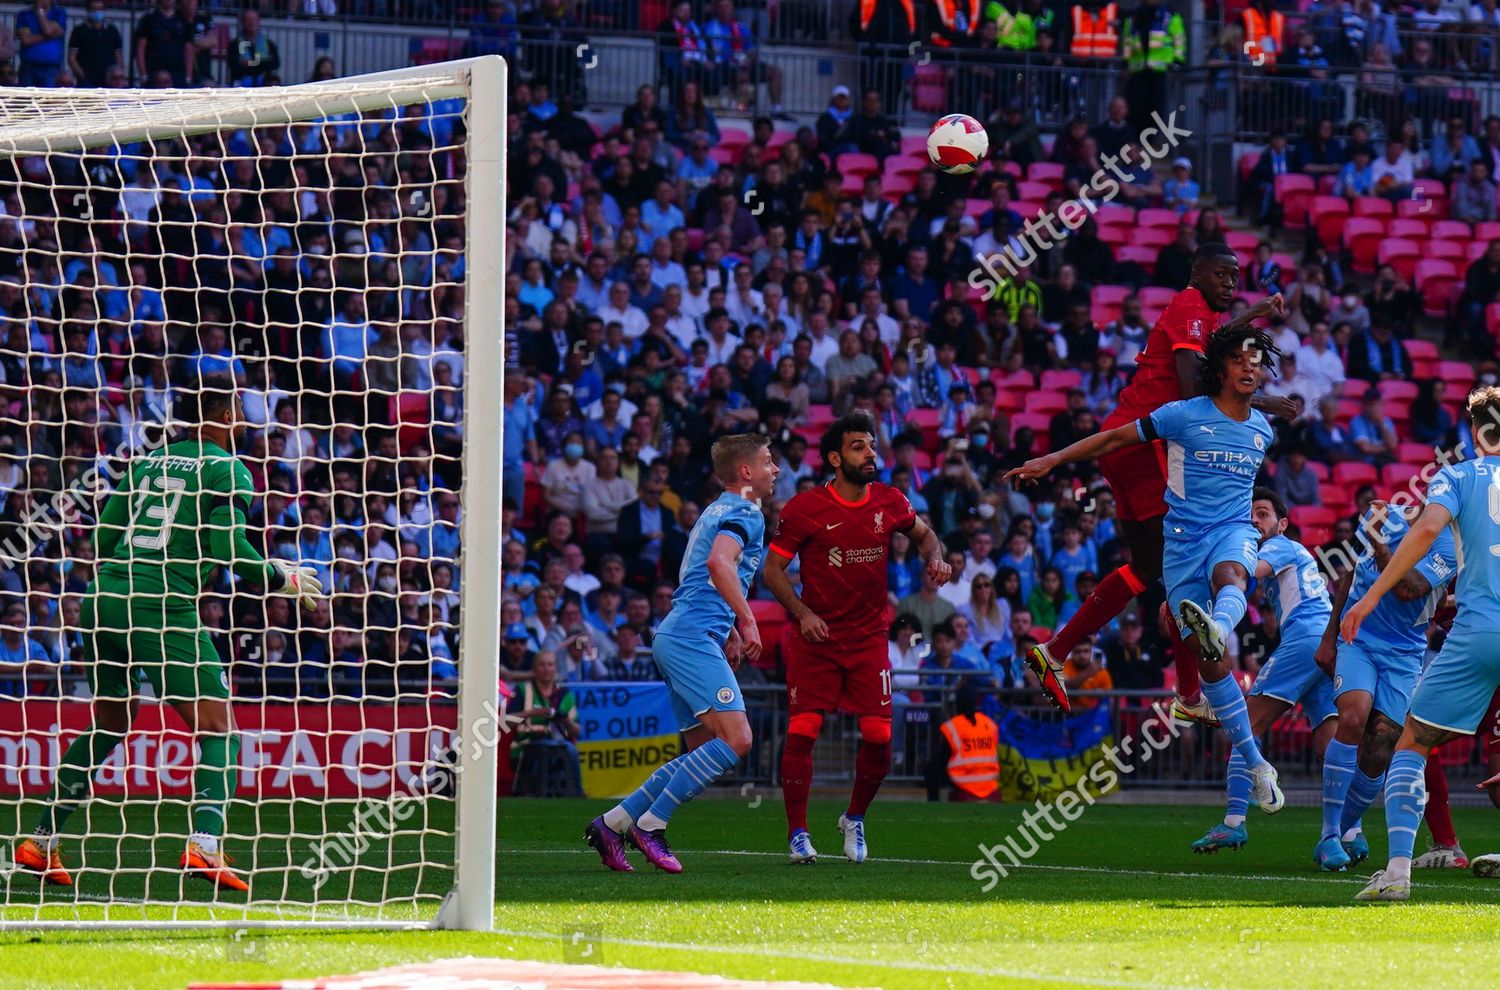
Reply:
x=674, y=279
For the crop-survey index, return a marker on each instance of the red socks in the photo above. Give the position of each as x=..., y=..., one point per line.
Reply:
x=796, y=778
x=1108, y=600
x=872, y=761
x=1439, y=818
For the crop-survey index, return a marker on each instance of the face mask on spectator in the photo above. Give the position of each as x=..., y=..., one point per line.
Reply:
x=573, y=451
x=387, y=583
x=96, y=17
x=1044, y=510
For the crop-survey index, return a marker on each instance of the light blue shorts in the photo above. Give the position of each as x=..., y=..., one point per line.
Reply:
x=1292, y=676
x=1188, y=561
x=1454, y=693
x=1386, y=675
x=697, y=675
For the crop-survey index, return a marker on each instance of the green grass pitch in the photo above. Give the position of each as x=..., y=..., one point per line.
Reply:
x=1116, y=900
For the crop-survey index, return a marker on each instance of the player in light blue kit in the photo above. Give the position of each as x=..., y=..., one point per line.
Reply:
x=708, y=631
x=1373, y=677
x=1298, y=597
x=1454, y=692
x=1215, y=446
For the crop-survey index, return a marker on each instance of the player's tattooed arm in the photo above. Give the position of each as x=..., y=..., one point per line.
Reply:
x=934, y=554
x=1327, y=650
x=813, y=629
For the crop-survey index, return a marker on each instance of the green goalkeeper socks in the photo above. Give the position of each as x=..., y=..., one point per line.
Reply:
x=74, y=774
x=214, y=782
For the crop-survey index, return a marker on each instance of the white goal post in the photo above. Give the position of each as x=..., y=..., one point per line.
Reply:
x=336, y=822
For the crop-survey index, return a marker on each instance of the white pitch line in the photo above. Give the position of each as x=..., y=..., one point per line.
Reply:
x=1104, y=870
x=908, y=964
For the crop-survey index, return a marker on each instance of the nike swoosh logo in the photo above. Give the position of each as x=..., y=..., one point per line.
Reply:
x=885, y=702
x=833, y=525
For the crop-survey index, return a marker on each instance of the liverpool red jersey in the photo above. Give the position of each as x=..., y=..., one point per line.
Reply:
x=1187, y=322
x=844, y=547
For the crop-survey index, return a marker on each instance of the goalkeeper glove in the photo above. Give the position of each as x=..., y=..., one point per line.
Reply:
x=300, y=583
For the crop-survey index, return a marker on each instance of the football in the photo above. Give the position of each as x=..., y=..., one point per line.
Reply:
x=957, y=143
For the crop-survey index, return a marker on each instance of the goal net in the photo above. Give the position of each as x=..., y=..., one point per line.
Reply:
x=335, y=248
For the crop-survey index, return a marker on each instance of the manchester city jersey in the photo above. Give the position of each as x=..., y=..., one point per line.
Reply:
x=697, y=606
x=1470, y=490
x=1397, y=625
x=1296, y=590
x=1212, y=462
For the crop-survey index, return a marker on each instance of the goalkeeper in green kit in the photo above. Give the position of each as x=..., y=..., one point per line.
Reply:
x=178, y=513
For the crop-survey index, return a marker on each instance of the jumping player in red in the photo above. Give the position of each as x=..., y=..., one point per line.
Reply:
x=842, y=533
x=1166, y=371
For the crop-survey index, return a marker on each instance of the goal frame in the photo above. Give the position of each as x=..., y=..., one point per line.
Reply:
x=469, y=903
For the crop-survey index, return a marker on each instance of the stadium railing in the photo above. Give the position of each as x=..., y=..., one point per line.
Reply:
x=926, y=82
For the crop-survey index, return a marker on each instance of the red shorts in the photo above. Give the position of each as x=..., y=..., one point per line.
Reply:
x=828, y=677
x=1138, y=477
x=1490, y=727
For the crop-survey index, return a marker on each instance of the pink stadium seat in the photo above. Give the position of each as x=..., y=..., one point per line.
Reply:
x=1353, y=388
x=1033, y=190
x=1425, y=209
x=1450, y=230
x=1411, y=452
x=1027, y=208
x=1062, y=379
x=857, y=163
x=1487, y=231
x=1459, y=374
x=1312, y=515
x=1397, y=390
x=1323, y=471
x=1294, y=191
x=1373, y=206
x=1399, y=475
x=1021, y=378
x=1113, y=213
x=1400, y=253
x=1353, y=473
x=893, y=187
x=1152, y=237
x=1477, y=250
x=1143, y=256
x=1115, y=236
x=899, y=164
x=1241, y=240
x=1419, y=349
x=1453, y=251
x=929, y=89
x=1158, y=218
x=1413, y=228
x=1104, y=295
x=1157, y=296
x=1046, y=402
x=1362, y=236
x=1049, y=172
x=1440, y=284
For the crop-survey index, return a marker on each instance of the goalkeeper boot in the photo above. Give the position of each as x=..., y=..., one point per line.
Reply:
x=802, y=851
x=1357, y=846
x=853, y=831
x=1383, y=888
x=1330, y=855
x=653, y=845
x=1048, y=673
x=1221, y=836
x=213, y=867
x=1440, y=858
x=31, y=856
x=609, y=844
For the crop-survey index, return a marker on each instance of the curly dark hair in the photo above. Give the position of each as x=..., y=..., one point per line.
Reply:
x=1224, y=345
x=857, y=421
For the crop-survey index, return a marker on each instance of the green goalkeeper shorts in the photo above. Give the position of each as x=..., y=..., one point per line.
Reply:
x=125, y=639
